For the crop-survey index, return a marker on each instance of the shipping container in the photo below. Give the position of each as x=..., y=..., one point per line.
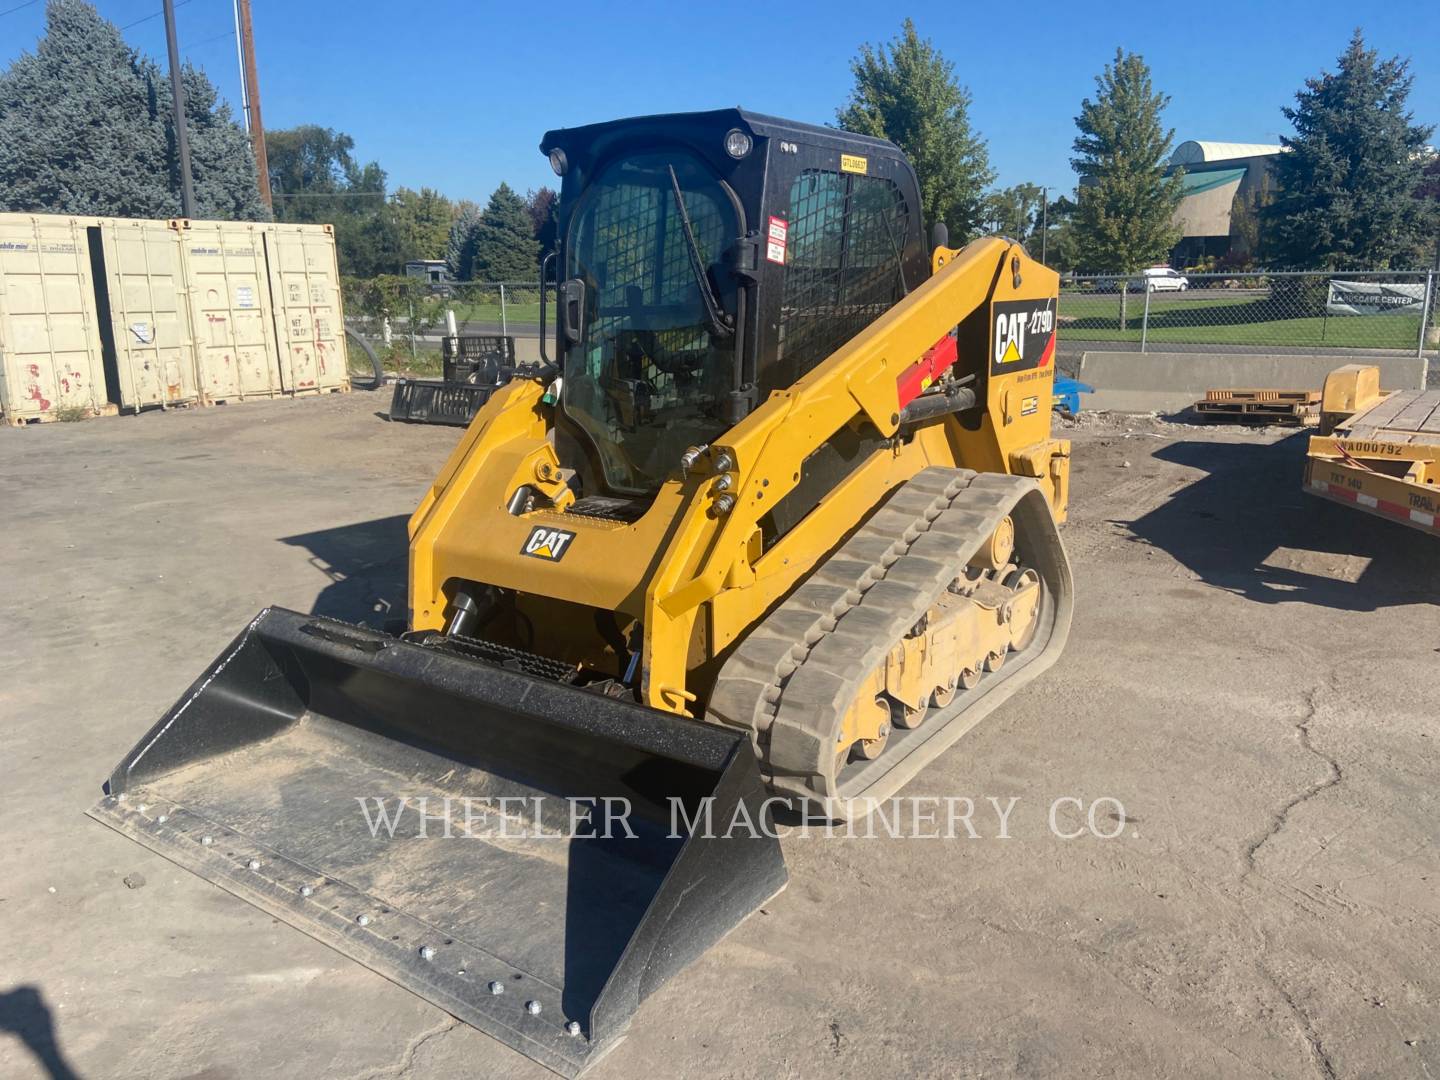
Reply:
x=144, y=289
x=50, y=350
x=231, y=316
x=107, y=314
x=309, y=318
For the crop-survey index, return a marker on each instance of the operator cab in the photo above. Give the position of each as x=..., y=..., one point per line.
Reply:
x=705, y=260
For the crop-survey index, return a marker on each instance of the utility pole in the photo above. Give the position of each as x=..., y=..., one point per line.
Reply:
x=252, y=97
x=177, y=96
x=240, y=65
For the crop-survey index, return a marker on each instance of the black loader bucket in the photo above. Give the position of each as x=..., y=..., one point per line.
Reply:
x=426, y=814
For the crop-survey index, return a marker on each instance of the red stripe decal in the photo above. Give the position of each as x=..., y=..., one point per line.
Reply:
x=919, y=375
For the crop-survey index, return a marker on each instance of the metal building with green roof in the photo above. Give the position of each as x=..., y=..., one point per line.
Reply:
x=1214, y=176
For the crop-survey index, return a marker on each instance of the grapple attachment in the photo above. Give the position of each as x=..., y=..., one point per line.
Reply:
x=533, y=858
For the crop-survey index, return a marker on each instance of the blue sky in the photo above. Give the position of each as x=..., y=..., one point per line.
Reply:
x=456, y=95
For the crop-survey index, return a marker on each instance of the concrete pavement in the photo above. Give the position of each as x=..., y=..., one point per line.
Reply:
x=1246, y=703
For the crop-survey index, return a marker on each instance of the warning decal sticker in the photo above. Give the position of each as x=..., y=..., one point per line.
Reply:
x=1022, y=335
x=776, y=237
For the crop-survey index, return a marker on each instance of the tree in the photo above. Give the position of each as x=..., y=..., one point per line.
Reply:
x=222, y=160
x=1430, y=190
x=86, y=128
x=310, y=160
x=1245, y=213
x=907, y=93
x=315, y=178
x=460, y=245
x=78, y=130
x=505, y=248
x=544, y=218
x=1014, y=212
x=421, y=223
x=1124, y=216
x=1348, y=183
x=1061, y=251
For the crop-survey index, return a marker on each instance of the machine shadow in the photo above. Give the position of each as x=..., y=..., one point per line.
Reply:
x=1240, y=524
x=367, y=564
x=24, y=1014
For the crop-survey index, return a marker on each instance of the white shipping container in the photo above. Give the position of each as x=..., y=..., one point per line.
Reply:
x=102, y=314
x=309, y=318
x=50, y=352
x=228, y=285
x=149, y=316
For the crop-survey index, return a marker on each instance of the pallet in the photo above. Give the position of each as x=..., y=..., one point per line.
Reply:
x=1237, y=396
x=1291, y=413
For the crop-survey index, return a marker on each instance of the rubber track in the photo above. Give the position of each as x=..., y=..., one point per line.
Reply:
x=791, y=679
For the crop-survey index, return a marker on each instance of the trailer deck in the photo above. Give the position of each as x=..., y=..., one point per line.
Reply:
x=1383, y=459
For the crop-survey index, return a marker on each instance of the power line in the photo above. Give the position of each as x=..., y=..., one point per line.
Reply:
x=153, y=15
x=18, y=7
x=127, y=26
x=331, y=195
x=208, y=40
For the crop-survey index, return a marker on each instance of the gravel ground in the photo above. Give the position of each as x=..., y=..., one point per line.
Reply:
x=1247, y=701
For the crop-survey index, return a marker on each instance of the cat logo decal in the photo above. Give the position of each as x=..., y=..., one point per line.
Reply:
x=547, y=543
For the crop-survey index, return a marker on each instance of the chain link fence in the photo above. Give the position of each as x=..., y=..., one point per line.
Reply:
x=405, y=318
x=1391, y=311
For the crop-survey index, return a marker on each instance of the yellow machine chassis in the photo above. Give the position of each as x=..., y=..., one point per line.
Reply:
x=694, y=576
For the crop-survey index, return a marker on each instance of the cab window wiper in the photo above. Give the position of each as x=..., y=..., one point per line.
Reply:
x=714, y=316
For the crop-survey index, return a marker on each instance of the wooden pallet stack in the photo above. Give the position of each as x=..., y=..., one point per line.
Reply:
x=1297, y=408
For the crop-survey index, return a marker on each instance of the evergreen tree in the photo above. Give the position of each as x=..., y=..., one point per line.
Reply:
x=544, y=216
x=505, y=248
x=1429, y=192
x=907, y=93
x=79, y=131
x=460, y=247
x=222, y=161
x=1349, y=182
x=86, y=128
x=1124, y=217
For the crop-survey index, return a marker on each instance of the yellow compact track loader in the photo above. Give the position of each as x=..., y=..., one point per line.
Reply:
x=774, y=523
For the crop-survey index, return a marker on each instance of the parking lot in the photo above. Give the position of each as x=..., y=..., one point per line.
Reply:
x=1246, y=710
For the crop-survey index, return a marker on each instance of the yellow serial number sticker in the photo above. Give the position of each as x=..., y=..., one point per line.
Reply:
x=854, y=163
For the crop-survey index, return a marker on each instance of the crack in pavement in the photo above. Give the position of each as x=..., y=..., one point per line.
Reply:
x=407, y=1056
x=1319, y=1056
x=1334, y=775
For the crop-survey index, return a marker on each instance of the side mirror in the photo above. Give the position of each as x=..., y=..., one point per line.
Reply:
x=572, y=309
x=939, y=236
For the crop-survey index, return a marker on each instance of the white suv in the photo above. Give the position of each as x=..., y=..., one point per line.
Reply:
x=1163, y=279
